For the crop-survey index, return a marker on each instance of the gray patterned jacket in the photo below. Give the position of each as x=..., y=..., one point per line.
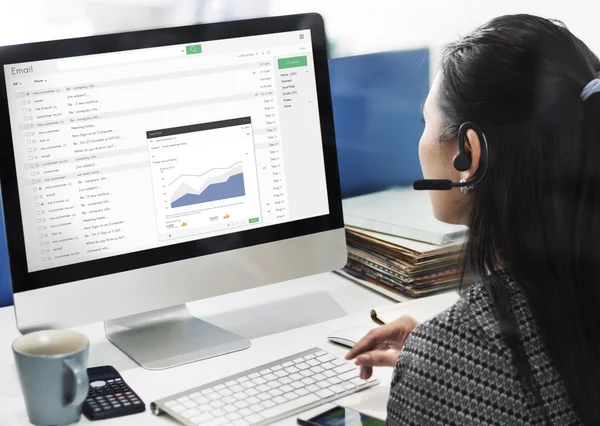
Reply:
x=456, y=370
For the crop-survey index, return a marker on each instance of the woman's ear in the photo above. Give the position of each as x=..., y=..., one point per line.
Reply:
x=473, y=147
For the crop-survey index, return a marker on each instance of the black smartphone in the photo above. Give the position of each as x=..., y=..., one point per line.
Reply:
x=341, y=416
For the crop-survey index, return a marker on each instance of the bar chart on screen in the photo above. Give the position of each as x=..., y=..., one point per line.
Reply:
x=204, y=178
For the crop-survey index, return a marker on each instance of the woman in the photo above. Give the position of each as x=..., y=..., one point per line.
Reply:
x=522, y=345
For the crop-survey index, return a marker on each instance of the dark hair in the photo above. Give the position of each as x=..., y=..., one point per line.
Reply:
x=537, y=209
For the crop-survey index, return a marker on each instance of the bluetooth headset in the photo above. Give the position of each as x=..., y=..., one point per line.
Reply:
x=461, y=162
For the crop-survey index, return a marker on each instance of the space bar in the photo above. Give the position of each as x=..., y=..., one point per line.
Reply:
x=290, y=406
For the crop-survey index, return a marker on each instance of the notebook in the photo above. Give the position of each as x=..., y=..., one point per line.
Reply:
x=421, y=309
x=401, y=212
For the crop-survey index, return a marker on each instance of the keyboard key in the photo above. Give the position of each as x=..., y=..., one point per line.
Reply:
x=231, y=383
x=312, y=362
x=207, y=391
x=329, y=373
x=275, y=384
x=243, y=379
x=195, y=395
x=205, y=408
x=307, y=381
x=319, y=377
x=287, y=364
x=219, y=387
x=323, y=384
x=348, y=385
x=286, y=388
x=313, y=388
x=328, y=366
x=337, y=389
x=276, y=368
x=213, y=396
x=229, y=409
x=240, y=396
x=240, y=422
x=307, y=357
x=268, y=404
x=317, y=369
x=201, y=419
x=263, y=396
x=337, y=362
x=253, y=400
x=334, y=380
x=306, y=373
x=245, y=412
x=190, y=404
x=291, y=395
x=301, y=392
x=270, y=377
x=350, y=375
x=257, y=408
x=251, y=392
x=358, y=382
x=297, y=385
x=254, y=375
x=178, y=408
x=344, y=368
x=233, y=416
x=169, y=404
x=217, y=404
x=263, y=388
x=325, y=358
x=275, y=392
x=287, y=406
x=180, y=400
x=247, y=385
x=190, y=413
x=236, y=388
x=265, y=372
x=324, y=393
x=229, y=400
x=279, y=400
x=225, y=392
x=301, y=366
x=216, y=422
x=285, y=380
x=281, y=373
x=259, y=381
x=218, y=413
x=292, y=370
x=241, y=404
x=254, y=418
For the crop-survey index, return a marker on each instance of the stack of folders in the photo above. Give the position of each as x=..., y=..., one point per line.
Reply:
x=397, y=247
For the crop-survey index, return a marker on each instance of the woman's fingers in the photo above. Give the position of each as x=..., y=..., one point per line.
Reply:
x=378, y=358
x=389, y=336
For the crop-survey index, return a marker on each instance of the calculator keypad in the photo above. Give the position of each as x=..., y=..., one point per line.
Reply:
x=110, y=394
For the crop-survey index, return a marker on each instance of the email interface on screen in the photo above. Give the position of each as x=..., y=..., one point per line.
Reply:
x=133, y=150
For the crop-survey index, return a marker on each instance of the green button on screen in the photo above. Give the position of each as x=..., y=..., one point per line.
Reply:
x=296, y=61
x=193, y=49
x=253, y=220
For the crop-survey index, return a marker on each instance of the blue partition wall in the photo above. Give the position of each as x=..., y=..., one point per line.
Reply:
x=377, y=100
x=5, y=287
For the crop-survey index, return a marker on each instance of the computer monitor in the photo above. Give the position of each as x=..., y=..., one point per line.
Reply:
x=144, y=170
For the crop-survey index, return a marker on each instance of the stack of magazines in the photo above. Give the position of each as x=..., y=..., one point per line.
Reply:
x=397, y=247
x=400, y=266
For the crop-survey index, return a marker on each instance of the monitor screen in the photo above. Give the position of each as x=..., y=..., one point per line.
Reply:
x=133, y=150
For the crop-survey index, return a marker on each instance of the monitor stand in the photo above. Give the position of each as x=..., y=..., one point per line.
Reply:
x=170, y=337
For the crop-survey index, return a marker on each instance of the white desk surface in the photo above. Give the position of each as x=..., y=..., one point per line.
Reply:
x=281, y=319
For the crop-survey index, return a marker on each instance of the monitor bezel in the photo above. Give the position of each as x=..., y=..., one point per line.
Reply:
x=23, y=280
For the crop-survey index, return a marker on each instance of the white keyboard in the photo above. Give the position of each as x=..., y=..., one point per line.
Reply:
x=267, y=393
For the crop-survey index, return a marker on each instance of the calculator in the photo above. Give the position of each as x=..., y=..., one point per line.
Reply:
x=109, y=396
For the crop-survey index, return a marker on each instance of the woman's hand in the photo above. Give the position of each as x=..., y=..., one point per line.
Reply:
x=381, y=346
